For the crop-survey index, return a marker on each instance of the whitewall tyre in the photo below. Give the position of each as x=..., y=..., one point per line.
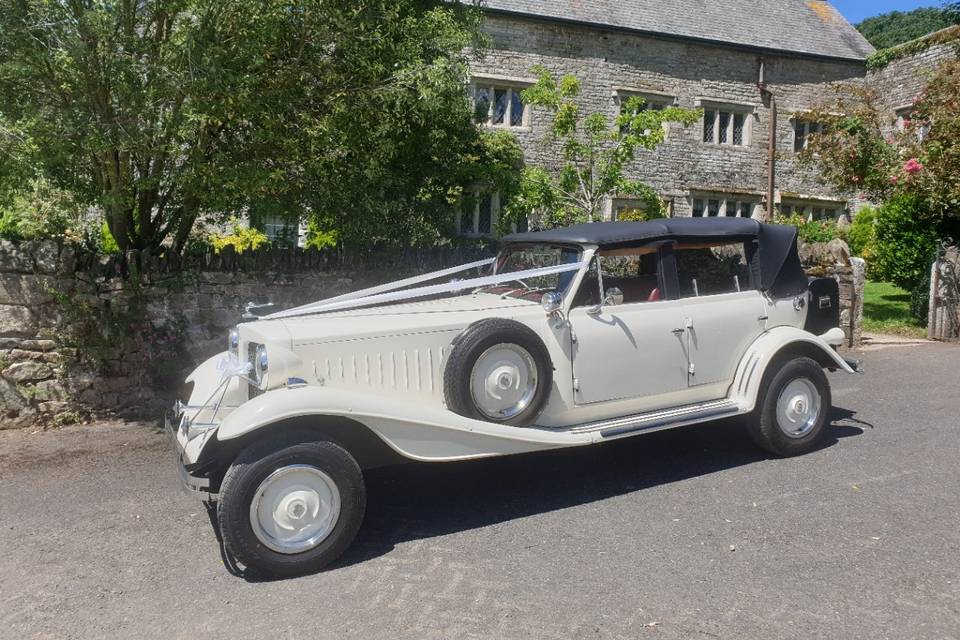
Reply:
x=793, y=408
x=291, y=508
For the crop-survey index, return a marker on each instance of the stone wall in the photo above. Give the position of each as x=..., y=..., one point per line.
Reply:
x=900, y=81
x=692, y=72
x=81, y=335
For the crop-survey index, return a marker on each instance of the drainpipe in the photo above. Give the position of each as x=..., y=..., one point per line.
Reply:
x=772, y=158
x=771, y=102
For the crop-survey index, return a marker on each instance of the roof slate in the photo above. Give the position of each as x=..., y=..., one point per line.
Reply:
x=812, y=27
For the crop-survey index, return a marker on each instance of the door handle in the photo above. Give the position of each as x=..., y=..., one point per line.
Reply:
x=680, y=330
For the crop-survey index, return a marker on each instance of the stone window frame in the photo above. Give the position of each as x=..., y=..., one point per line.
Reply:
x=512, y=86
x=814, y=208
x=746, y=110
x=655, y=100
x=701, y=201
x=903, y=113
x=480, y=195
x=800, y=141
x=610, y=208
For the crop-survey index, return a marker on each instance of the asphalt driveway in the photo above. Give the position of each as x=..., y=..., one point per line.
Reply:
x=683, y=534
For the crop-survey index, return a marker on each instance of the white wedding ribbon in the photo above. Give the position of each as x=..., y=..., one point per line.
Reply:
x=230, y=366
x=388, y=293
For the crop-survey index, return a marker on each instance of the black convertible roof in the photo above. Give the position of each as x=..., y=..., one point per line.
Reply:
x=617, y=233
x=776, y=257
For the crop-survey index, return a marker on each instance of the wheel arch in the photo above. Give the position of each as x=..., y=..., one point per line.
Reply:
x=772, y=348
x=361, y=442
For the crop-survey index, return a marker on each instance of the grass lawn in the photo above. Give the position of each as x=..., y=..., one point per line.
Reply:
x=886, y=309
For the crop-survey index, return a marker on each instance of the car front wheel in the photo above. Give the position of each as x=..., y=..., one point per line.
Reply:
x=792, y=409
x=291, y=508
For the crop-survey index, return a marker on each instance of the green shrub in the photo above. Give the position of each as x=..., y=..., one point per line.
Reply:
x=240, y=238
x=318, y=238
x=905, y=244
x=814, y=230
x=107, y=245
x=40, y=212
x=862, y=233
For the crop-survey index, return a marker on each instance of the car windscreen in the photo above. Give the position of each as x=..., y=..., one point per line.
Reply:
x=523, y=257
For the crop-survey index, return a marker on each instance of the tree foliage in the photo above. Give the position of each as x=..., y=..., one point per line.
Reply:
x=896, y=27
x=161, y=112
x=595, y=151
x=858, y=151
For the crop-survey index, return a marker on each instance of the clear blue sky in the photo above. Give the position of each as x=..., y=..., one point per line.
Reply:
x=857, y=10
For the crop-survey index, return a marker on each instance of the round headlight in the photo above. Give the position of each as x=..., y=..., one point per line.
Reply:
x=551, y=302
x=260, y=362
x=233, y=341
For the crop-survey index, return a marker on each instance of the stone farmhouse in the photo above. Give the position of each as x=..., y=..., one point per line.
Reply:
x=755, y=68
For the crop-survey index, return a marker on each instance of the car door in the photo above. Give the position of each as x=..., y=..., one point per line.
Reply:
x=631, y=350
x=723, y=312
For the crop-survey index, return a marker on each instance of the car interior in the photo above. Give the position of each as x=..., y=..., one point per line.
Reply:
x=702, y=269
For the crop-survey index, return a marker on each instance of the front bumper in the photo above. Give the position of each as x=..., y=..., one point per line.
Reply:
x=190, y=482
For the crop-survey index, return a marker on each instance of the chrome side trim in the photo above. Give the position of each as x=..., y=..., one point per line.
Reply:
x=660, y=419
x=706, y=415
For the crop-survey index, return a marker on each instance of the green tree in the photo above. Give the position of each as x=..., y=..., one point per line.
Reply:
x=164, y=111
x=595, y=151
x=896, y=27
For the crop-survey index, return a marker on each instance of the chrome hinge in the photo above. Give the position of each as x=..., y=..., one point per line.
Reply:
x=692, y=369
x=576, y=384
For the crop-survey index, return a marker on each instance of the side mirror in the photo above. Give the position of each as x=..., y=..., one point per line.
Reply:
x=613, y=297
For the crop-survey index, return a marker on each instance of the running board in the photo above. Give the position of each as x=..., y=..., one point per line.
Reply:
x=657, y=420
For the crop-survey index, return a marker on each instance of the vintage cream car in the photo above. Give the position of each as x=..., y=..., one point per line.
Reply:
x=568, y=338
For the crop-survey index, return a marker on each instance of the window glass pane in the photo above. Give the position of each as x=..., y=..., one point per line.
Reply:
x=499, y=105
x=523, y=225
x=786, y=209
x=516, y=110
x=634, y=272
x=738, y=123
x=799, y=136
x=484, y=223
x=713, y=208
x=466, y=215
x=711, y=271
x=698, y=208
x=709, y=118
x=746, y=210
x=724, y=125
x=483, y=104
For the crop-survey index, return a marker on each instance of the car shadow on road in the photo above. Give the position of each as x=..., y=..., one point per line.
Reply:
x=417, y=501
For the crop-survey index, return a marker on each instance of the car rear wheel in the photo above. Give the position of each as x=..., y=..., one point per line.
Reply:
x=792, y=408
x=498, y=371
x=291, y=508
